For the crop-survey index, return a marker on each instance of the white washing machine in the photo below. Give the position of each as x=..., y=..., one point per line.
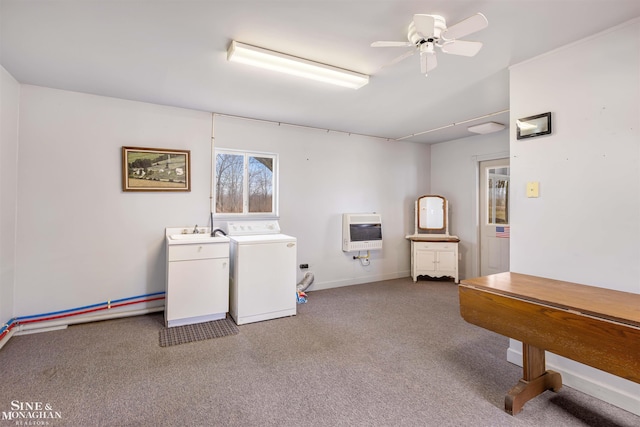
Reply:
x=262, y=271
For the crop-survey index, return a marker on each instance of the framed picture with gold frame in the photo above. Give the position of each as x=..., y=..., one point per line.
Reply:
x=155, y=169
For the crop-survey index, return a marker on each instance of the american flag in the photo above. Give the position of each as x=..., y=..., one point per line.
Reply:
x=503, y=231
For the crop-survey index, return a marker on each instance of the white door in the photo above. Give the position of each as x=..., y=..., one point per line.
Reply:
x=494, y=216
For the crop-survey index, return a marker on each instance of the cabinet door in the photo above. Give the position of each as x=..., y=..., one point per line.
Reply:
x=446, y=261
x=197, y=288
x=220, y=294
x=425, y=261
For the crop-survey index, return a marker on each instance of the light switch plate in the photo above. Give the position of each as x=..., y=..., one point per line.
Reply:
x=532, y=189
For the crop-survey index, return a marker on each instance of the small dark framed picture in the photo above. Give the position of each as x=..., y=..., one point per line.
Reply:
x=155, y=169
x=533, y=126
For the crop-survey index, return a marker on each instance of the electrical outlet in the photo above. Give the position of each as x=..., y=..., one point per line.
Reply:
x=303, y=266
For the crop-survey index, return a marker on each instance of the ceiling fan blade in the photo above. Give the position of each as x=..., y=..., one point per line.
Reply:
x=424, y=25
x=391, y=44
x=461, y=47
x=470, y=25
x=400, y=58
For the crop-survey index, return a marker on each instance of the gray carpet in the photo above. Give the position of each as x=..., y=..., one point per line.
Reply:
x=390, y=353
x=197, y=332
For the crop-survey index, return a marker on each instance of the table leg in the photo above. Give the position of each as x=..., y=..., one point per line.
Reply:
x=535, y=380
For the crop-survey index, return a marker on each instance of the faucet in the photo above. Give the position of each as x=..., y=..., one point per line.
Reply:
x=195, y=230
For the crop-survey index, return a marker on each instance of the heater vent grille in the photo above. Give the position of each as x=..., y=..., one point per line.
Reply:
x=361, y=232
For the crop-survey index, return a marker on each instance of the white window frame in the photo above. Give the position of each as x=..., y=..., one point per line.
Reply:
x=245, y=185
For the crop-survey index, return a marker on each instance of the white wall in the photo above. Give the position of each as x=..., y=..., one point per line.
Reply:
x=585, y=226
x=9, y=105
x=81, y=240
x=325, y=174
x=454, y=175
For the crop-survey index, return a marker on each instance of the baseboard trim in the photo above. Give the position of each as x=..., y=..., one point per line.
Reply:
x=587, y=385
x=42, y=328
x=34, y=328
x=318, y=286
x=5, y=339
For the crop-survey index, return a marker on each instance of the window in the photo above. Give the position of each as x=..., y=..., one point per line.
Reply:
x=498, y=195
x=245, y=183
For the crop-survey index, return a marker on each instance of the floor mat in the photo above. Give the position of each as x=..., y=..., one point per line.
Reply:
x=197, y=332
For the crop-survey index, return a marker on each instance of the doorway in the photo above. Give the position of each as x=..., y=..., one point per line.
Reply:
x=494, y=216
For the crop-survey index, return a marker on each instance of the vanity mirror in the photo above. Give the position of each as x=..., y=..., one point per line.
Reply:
x=432, y=213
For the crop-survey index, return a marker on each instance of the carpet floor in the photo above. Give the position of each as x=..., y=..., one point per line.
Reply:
x=390, y=353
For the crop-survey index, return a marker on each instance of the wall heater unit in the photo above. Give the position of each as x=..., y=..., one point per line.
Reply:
x=361, y=232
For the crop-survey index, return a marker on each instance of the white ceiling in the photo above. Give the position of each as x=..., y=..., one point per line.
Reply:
x=174, y=53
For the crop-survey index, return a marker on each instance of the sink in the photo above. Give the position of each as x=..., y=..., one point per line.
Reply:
x=202, y=236
x=185, y=236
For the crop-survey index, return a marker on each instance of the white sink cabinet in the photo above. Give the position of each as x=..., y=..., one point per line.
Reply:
x=197, y=287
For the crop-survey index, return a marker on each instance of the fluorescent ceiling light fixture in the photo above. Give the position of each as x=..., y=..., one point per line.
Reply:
x=488, y=127
x=276, y=61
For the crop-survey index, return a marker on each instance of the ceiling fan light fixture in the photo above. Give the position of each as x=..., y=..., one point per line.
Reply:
x=427, y=31
x=276, y=61
x=485, y=128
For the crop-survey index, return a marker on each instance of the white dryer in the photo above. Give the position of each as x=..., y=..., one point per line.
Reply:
x=262, y=271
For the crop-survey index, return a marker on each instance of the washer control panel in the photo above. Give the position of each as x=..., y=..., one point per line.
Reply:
x=247, y=228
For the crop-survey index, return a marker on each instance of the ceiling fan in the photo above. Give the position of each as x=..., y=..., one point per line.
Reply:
x=426, y=32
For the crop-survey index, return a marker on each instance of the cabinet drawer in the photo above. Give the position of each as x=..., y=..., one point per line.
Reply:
x=197, y=251
x=435, y=246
